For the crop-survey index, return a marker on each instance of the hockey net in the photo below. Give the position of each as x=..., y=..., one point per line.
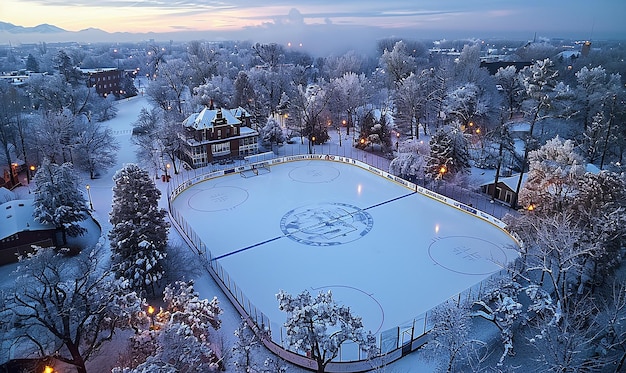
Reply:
x=256, y=170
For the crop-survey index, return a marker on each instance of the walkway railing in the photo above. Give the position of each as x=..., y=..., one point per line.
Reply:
x=393, y=343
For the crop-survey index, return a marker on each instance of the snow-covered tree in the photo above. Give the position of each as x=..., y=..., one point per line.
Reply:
x=411, y=161
x=243, y=91
x=96, y=148
x=465, y=104
x=306, y=108
x=246, y=349
x=554, y=171
x=510, y=86
x=272, y=133
x=58, y=200
x=591, y=92
x=397, y=62
x=66, y=307
x=178, y=338
x=139, y=233
x=54, y=136
x=451, y=340
x=349, y=93
x=411, y=101
x=218, y=90
x=318, y=326
x=144, y=137
x=449, y=153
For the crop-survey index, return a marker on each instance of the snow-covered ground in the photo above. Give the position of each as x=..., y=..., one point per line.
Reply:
x=407, y=226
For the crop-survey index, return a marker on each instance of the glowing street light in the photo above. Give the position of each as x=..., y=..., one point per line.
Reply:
x=48, y=369
x=89, y=195
x=167, y=167
x=151, y=314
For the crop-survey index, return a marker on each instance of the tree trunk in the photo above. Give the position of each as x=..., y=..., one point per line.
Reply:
x=77, y=358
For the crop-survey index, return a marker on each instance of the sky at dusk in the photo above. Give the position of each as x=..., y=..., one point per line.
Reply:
x=330, y=19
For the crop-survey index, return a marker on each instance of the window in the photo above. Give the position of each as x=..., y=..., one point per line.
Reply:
x=221, y=148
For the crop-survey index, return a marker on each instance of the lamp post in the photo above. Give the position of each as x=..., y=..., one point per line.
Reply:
x=151, y=314
x=313, y=143
x=167, y=167
x=89, y=195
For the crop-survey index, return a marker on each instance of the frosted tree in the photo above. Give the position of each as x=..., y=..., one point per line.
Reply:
x=318, y=326
x=244, y=91
x=177, y=338
x=219, y=90
x=58, y=200
x=411, y=161
x=349, y=93
x=539, y=82
x=451, y=340
x=96, y=148
x=448, y=152
x=465, y=104
x=144, y=137
x=376, y=130
x=139, y=230
x=397, y=62
x=65, y=307
x=591, y=92
x=272, y=133
x=306, y=108
x=500, y=305
x=174, y=76
x=411, y=100
x=53, y=138
x=554, y=171
x=246, y=349
x=511, y=87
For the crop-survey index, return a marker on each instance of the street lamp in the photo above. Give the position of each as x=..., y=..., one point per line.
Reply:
x=151, y=314
x=313, y=143
x=167, y=167
x=397, y=141
x=48, y=369
x=89, y=195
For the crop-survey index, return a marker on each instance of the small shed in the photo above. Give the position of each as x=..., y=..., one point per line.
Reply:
x=19, y=230
x=505, y=190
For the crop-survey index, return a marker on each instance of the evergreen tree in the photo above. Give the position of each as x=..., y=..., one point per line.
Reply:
x=139, y=233
x=448, y=152
x=272, y=133
x=32, y=64
x=58, y=200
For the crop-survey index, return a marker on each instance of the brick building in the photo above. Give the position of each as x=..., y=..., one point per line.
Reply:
x=105, y=80
x=215, y=134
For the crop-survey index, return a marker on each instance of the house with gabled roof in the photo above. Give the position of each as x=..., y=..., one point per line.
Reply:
x=215, y=134
x=19, y=230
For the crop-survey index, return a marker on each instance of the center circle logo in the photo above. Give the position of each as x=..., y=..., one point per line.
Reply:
x=326, y=224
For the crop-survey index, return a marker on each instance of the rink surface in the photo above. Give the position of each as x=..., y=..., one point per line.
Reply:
x=388, y=253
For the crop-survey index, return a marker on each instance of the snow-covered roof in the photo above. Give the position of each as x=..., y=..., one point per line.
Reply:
x=207, y=118
x=592, y=168
x=510, y=182
x=519, y=127
x=17, y=216
x=6, y=195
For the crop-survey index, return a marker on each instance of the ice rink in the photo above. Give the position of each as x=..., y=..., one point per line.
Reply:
x=387, y=252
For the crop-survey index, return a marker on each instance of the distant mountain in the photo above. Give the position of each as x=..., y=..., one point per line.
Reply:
x=39, y=29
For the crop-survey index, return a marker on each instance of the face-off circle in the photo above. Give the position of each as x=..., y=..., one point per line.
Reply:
x=326, y=224
x=467, y=255
x=314, y=173
x=218, y=198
